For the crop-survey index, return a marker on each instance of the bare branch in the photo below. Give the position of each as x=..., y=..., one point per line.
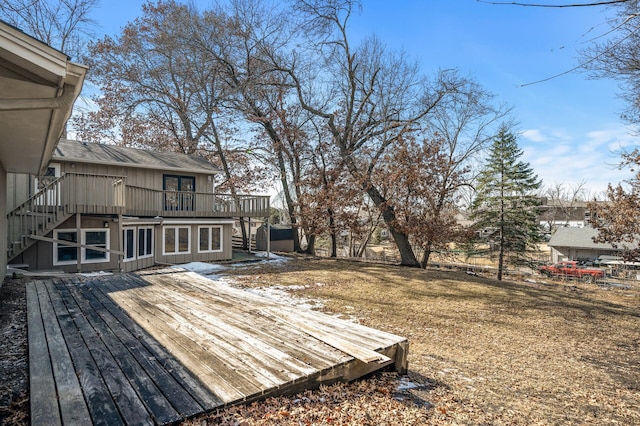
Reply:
x=597, y=3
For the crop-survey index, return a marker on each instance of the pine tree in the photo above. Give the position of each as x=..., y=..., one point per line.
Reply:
x=506, y=199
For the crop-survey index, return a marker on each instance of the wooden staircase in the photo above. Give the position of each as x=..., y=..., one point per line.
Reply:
x=37, y=216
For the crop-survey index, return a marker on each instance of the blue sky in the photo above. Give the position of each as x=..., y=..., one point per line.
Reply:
x=570, y=126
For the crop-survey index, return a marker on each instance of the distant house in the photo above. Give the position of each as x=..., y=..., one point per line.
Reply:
x=554, y=215
x=104, y=207
x=569, y=243
x=38, y=87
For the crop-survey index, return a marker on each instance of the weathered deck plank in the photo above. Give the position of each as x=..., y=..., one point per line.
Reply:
x=123, y=394
x=44, y=404
x=73, y=408
x=227, y=324
x=161, y=346
x=101, y=406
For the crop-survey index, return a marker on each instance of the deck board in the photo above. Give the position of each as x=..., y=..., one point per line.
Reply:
x=158, y=347
x=73, y=408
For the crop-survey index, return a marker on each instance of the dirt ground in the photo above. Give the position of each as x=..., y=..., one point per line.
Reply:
x=481, y=352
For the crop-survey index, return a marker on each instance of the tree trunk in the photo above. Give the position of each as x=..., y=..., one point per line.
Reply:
x=311, y=245
x=407, y=257
x=227, y=173
x=501, y=255
x=425, y=256
x=334, y=245
x=245, y=238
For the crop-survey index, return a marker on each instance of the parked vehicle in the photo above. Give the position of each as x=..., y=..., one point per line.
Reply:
x=571, y=268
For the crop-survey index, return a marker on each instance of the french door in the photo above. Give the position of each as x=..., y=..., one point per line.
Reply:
x=179, y=192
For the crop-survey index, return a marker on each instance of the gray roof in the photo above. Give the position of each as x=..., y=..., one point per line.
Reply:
x=577, y=238
x=95, y=153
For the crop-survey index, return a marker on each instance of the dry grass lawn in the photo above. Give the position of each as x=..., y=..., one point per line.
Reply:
x=481, y=351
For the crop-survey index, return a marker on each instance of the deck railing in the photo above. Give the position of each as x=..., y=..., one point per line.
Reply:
x=93, y=194
x=57, y=200
x=150, y=202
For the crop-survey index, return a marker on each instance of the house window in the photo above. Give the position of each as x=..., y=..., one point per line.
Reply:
x=68, y=254
x=176, y=240
x=65, y=254
x=179, y=192
x=138, y=243
x=128, y=236
x=145, y=242
x=95, y=238
x=209, y=239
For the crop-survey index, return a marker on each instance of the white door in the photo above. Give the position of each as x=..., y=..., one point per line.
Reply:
x=52, y=196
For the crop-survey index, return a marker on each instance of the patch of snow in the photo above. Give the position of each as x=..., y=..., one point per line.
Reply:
x=406, y=384
x=274, y=258
x=201, y=267
x=282, y=295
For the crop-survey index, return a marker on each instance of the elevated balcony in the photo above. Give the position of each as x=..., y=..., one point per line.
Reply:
x=101, y=194
x=149, y=202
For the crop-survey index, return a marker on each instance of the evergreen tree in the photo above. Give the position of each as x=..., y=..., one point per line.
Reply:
x=506, y=197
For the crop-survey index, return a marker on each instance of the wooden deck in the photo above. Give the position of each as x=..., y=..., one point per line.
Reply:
x=162, y=346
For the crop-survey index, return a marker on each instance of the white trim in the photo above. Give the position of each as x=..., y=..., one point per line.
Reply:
x=147, y=229
x=50, y=193
x=176, y=240
x=209, y=243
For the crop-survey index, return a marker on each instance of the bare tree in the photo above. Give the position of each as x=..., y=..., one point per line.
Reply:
x=368, y=98
x=243, y=40
x=619, y=57
x=461, y=126
x=63, y=24
x=562, y=203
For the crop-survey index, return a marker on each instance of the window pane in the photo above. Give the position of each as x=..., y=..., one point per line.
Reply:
x=183, y=240
x=141, y=241
x=128, y=244
x=171, y=183
x=169, y=240
x=68, y=236
x=94, y=255
x=96, y=237
x=204, y=239
x=216, y=238
x=187, y=183
x=149, y=247
x=66, y=253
